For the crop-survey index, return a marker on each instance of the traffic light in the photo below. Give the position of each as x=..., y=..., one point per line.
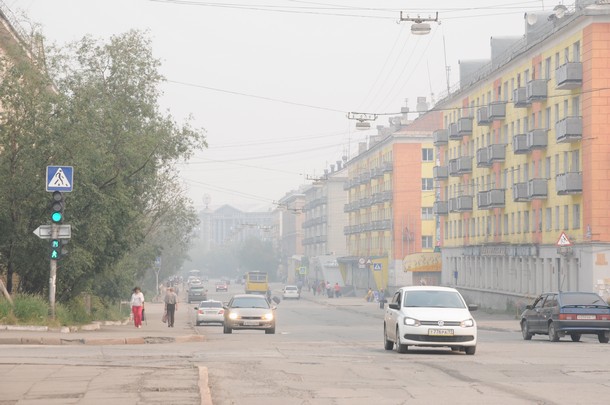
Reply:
x=55, y=249
x=57, y=207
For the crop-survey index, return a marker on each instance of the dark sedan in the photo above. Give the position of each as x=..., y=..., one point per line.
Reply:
x=557, y=314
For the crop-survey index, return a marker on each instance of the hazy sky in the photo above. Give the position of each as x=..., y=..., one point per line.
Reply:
x=273, y=80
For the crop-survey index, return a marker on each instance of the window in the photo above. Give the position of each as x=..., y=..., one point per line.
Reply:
x=427, y=184
x=576, y=51
x=505, y=224
x=547, y=68
x=427, y=155
x=427, y=213
x=566, y=217
x=549, y=219
x=576, y=216
x=426, y=242
x=557, y=218
x=526, y=221
x=547, y=117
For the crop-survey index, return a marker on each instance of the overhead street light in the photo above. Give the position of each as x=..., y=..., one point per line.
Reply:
x=363, y=120
x=420, y=25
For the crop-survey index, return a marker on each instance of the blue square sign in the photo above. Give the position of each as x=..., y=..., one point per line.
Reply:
x=59, y=178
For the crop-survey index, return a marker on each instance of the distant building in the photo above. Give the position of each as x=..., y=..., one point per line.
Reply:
x=227, y=224
x=324, y=222
x=390, y=205
x=289, y=220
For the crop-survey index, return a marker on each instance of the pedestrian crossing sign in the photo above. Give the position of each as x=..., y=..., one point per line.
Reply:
x=59, y=178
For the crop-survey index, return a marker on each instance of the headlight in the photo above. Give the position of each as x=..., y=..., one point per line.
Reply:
x=268, y=316
x=233, y=315
x=412, y=322
x=468, y=323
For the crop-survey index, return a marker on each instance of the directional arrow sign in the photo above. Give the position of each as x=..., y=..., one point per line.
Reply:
x=44, y=232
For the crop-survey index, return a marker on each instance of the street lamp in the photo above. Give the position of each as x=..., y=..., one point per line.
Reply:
x=420, y=25
x=363, y=120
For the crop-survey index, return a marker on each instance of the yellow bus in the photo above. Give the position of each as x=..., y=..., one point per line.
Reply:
x=257, y=282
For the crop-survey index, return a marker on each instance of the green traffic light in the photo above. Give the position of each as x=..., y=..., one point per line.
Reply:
x=57, y=217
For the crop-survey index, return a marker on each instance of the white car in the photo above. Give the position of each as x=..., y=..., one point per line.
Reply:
x=291, y=291
x=210, y=311
x=429, y=316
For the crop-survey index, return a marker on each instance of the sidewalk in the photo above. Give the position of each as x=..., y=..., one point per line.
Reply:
x=110, y=333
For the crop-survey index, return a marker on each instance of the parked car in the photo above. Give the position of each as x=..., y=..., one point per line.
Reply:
x=429, y=316
x=222, y=286
x=557, y=314
x=249, y=311
x=291, y=291
x=197, y=293
x=209, y=311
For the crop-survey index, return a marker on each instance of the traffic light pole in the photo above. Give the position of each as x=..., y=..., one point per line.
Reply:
x=53, y=273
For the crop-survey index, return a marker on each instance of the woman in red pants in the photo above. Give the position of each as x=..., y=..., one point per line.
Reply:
x=137, y=305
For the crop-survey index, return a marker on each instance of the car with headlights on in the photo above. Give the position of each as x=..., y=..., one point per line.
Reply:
x=572, y=313
x=222, y=286
x=291, y=292
x=249, y=311
x=209, y=311
x=429, y=316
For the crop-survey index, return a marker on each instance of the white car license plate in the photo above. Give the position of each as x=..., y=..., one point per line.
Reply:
x=585, y=316
x=250, y=323
x=440, y=332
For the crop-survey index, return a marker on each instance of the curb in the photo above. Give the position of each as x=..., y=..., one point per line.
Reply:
x=55, y=341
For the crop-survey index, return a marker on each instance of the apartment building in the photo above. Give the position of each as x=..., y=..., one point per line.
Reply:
x=390, y=206
x=524, y=162
x=289, y=221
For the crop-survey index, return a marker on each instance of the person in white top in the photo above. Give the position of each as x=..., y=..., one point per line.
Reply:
x=137, y=305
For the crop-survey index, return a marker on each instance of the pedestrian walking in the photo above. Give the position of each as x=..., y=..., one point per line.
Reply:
x=329, y=290
x=171, y=306
x=337, y=290
x=137, y=306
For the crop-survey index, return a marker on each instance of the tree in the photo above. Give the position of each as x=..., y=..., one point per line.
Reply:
x=101, y=116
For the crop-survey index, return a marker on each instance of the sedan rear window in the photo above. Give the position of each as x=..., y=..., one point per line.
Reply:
x=582, y=299
x=213, y=304
x=433, y=299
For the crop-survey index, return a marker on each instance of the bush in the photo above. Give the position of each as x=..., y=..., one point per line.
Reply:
x=30, y=309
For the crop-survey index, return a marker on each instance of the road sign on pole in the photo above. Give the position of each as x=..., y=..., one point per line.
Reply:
x=563, y=240
x=60, y=178
x=45, y=231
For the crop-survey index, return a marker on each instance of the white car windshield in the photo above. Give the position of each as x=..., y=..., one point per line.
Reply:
x=433, y=299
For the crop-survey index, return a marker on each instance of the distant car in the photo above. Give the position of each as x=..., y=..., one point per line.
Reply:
x=209, y=312
x=557, y=314
x=195, y=282
x=222, y=286
x=429, y=316
x=197, y=293
x=291, y=291
x=249, y=311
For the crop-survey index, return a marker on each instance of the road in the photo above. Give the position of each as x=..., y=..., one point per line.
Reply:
x=321, y=354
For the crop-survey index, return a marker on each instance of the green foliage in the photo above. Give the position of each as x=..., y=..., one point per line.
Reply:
x=30, y=309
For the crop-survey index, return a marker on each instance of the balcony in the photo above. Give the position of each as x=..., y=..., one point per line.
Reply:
x=376, y=172
x=441, y=137
x=537, y=139
x=462, y=203
x=483, y=157
x=520, y=192
x=440, y=172
x=461, y=165
x=365, y=177
x=377, y=198
x=568, y=76
x=537, y=189
x=366, y=202
x=568, y=183
x=496, y=110
x=454, y=135
x=496, y=153
x=387, y=167
x=520, y=144
x=491, y=199
x=568, y=129
x=483, y=116
x=519, y=98
x=536, y=90
x=440, y=208
x=464, y=126
x=387, y=196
